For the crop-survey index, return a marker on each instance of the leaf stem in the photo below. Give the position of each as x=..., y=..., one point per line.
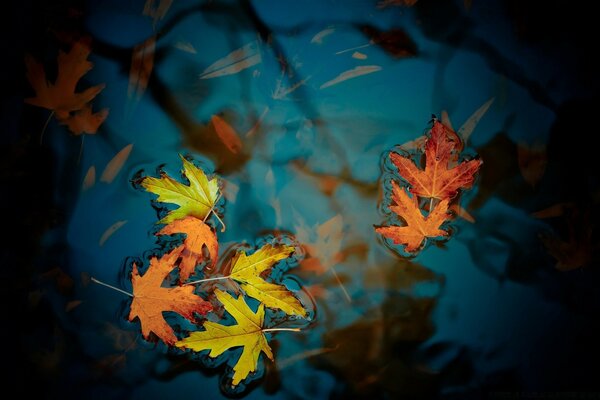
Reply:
x=212, y=210
x=281, y=329
x=80, y=149
x=45, y=126
x=110, y=286
x=218, y=278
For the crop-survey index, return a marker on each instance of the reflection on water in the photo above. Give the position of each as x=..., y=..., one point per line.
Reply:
x=295, y=107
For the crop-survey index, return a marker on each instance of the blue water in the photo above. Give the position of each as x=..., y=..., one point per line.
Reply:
x=481, y=314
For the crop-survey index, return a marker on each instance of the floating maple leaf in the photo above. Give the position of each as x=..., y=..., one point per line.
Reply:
x=248, y=333
x=197, y=199
x=150, y=299
x=418, y=227
x=437, y=180
x=60, y=96
x=198, y=235
x=247, y=270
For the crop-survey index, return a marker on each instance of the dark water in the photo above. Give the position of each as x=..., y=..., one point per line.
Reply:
x=486, y=313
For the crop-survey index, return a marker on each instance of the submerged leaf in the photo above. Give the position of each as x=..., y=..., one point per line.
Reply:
x=114, y=166
x=60, y=96
x=110, y=231
x=84, y=121
x=142, y=63
x=350, y=74
x=234, y=62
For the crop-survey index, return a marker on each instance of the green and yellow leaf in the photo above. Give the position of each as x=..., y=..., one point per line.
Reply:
x=196, y=200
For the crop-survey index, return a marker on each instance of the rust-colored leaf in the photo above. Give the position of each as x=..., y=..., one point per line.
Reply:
x=110, y=231
x=84, y=121
x=437, y=180
x=114, y=166
x=60, y=96
x=142, y=63
x=418, y=227
x=150, y=299
x=227, y=134
x=198, y=236
x=532, y=161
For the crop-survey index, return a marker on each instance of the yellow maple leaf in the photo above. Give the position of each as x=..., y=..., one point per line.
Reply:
x=248, y=332
x=246, y=270
x=197, y=199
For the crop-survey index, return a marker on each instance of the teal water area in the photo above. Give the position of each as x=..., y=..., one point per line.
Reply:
x=481, y=314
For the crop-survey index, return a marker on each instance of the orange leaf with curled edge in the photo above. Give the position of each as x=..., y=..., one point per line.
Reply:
x=198, y=235
x=60, y=96
x=84, y=121
x=150, y=299
x=437, y=180
x=418, y=227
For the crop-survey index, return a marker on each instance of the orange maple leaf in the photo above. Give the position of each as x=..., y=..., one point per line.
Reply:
x=437, y=180
x=84, y=121
x=60, y=96
x=150, y=299
x=198, y=235
x=418, y=227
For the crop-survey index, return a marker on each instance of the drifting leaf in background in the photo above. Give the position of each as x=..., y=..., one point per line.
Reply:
x=142, y=63
x=247, y=271
x=84, y=121
x=468, y=127
x=437, y=181
x=115, y=165
x=197, y=199
x=150, y=299
x=350, y=74
x=227, y=134
x=198, y=235
x=396, y=3
x=60, y=96
x=110, y=231
x=234, y=62
x=418, y=227
x=395, y=42
x=532, y=161
x=90, y=179
x=318, y=38
x=577, y=251
x=248, y=333
x=157, y=12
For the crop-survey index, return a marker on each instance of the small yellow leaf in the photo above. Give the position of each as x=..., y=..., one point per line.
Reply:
x=114, y=166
